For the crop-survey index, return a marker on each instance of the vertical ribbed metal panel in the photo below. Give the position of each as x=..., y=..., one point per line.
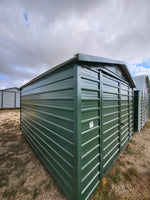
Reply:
x=146, y=105
x=142, y=109
x=141, y=101
x=136, y=110
x=47, y=117
x=17, y=99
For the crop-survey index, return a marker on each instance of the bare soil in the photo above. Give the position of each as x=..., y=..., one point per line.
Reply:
x=23, y=176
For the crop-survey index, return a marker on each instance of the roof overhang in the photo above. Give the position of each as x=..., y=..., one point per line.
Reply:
x=88, y=58
x=96, y=59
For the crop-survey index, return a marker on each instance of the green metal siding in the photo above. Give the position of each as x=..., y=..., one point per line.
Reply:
x=90, y=135
x=47, y=118
x=78, y=119
x=106, y=103
x=117, y=119
x=110, y=121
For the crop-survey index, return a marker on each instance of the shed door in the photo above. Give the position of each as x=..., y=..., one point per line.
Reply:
x=8, y=99
x=116, y=109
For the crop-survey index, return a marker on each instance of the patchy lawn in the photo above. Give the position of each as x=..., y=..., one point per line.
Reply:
x=129, y=178
x=23, y=176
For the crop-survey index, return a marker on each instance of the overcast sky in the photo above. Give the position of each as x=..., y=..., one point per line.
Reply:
x=36, y=35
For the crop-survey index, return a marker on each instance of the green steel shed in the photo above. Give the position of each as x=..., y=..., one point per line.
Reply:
x=141, y=101
x=78, y=117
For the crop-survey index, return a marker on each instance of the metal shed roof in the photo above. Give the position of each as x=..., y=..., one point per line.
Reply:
x=12, y=89
x=142, y=82
x=89, y=58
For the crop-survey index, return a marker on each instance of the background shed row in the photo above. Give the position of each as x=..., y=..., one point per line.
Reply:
x=141, y=101
x=10, y=98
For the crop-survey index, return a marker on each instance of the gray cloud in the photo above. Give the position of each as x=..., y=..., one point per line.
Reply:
x=37, y=35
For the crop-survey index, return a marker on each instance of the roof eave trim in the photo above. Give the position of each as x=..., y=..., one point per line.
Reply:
x=126, y=70
x=89, y=58
x=50, y=70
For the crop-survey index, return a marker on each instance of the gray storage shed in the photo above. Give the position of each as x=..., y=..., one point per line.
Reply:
x=10, y=98
x=141, y=101
x=78, y=117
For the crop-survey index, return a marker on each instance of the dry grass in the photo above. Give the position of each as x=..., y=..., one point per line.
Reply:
x=129, y=178
x=23, y=176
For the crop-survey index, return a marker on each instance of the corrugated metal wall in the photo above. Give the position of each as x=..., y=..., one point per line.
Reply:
x=142, y=99
x=9, y=99
x=47, y=118
x=144, y=108
x=17, y=99
x=141, y=108
x=90, y=131
x=147, y=104
x=78, y=119
x=136, y=110
x=106, y=124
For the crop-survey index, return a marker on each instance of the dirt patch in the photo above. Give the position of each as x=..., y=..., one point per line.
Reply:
x=23, y=176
